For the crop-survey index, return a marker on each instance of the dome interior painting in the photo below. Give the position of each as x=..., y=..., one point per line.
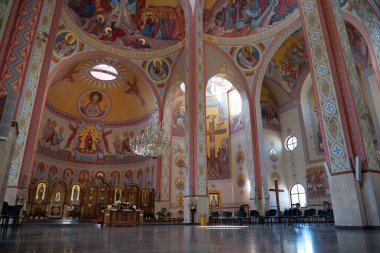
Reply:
x=127, y=25
x=127, y=90
x=104, y=104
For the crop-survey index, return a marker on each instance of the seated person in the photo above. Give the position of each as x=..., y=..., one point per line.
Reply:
x=241, y=214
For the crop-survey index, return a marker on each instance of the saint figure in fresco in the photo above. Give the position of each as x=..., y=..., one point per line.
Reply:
x=93, y=109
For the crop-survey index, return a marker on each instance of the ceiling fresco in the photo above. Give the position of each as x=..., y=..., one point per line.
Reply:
x=93, y=99
x=239, y=18
x=288, y=62
x=128, y=25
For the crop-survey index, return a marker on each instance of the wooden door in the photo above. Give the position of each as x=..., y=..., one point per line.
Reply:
x=90, y=203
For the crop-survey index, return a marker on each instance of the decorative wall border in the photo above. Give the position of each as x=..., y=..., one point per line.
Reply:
x=33, y=77
x=328, y=108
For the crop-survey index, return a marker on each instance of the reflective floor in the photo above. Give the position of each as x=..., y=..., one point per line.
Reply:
x=92, y=238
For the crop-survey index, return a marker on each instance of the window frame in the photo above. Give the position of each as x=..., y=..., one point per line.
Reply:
x=287, y=144
x=298, y=193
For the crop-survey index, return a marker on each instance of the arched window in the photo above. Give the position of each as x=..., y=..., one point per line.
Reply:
x=298, y=195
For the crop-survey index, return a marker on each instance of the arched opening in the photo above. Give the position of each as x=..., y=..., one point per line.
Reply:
x=298, y=195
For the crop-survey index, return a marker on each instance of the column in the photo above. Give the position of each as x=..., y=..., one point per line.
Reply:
x=195, y=99
x=33, y=86
x=340, y=107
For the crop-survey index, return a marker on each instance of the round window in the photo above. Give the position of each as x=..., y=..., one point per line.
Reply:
x=104, y=72
x=291, y=143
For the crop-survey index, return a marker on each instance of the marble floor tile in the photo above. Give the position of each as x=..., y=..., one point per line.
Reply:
x=92, y=238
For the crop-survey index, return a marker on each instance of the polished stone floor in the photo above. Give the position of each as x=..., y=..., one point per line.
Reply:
x=159, y=238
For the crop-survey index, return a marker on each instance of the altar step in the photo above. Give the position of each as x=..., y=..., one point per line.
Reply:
x=59, y=222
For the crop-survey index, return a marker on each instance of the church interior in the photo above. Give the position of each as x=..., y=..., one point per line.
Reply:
x=239, y=115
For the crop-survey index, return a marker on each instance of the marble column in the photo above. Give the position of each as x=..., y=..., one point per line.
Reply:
x=340, y=108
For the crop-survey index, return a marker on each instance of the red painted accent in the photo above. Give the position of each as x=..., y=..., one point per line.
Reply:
x=26, y=51
x=354, y=132
x=29, y=153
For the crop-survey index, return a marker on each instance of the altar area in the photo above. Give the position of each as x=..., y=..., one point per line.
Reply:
x=92, y=200
x=123, y=217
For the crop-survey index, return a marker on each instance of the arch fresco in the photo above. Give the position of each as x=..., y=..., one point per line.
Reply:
x=236, y=18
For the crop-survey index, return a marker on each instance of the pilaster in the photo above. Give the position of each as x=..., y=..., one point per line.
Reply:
x=339, y=104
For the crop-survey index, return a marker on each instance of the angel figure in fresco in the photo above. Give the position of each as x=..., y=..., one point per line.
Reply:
x=68, y=76
x=134, y=89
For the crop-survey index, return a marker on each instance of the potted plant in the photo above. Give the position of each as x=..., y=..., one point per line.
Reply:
x=163, y=213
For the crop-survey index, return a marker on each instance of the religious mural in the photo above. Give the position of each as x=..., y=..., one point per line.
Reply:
x=238, y=18
x=65, y=44
x=358, y=45
x=241, y=180
x=51, y=136
x=247, y=57
x=180, y=183
x=52, y=174
x=130, y=24
x=313, y=134
x=39, y=172
x=88, y=142
x=313, y=113
x=93, y=104
x=68, y=176
x=128, y=177
x=218, y=137
x=179, y=118
x=288, y=62
x=158, y=70
x=115, y=178
x=269, y=110
x=41, y=191
x=317, y=182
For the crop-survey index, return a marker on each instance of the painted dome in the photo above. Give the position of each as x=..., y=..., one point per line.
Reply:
x=127, y=27
x=100, y=90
